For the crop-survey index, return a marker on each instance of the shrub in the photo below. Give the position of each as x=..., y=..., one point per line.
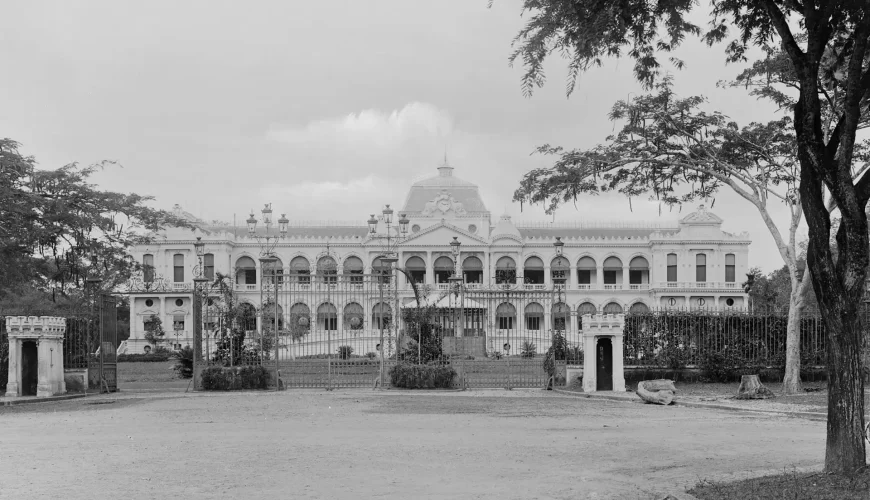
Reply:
x=528, y=350
x=233, y=378
x=409, y=376
x=495, y=355
x=154, y=357
x=344, y=351
x=74, y=383
x=184, y=362
x=371, y=355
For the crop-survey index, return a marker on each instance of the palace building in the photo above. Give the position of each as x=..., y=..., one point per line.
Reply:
x=519, y=280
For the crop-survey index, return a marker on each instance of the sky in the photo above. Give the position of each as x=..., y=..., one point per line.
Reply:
x=328, y=110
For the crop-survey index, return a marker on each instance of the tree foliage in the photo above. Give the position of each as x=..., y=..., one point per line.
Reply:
x=50, y=220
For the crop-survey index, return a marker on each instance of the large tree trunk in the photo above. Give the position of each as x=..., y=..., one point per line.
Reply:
x=791, y=382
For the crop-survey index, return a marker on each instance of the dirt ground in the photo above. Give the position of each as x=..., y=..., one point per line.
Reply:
x=361, y=444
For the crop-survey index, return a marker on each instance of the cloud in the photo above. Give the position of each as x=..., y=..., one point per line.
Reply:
x=371, y=128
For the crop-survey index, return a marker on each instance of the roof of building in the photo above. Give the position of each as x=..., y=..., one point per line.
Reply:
x=505, y=227
x=443, y=193
x=567, y=233
x=701, y=216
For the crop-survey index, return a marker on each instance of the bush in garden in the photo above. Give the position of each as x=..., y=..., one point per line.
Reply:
x=151, y=357
x=528, y=350
x=344, y=351
x=184, y=362
x=433, y=376
x=233, y=378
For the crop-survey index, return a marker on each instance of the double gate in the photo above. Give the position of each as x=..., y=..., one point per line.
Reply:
x=107, y=357
x=332, y=329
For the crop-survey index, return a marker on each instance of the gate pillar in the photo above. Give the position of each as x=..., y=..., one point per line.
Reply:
x=595, y=327
x=47, y=332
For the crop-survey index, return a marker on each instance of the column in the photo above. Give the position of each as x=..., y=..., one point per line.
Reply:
x=487, y=271
x=13, y=385
x=599, y=277
x=618, y=369
x=625, y=279
x=572, y=278
x=430, y=269
x=589, y=368
x=548, y=279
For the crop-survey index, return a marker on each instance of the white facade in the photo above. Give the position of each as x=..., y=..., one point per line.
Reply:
x=691, y=264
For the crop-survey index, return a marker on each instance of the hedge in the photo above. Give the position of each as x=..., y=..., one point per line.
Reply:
x=153, y=357
x=233, y=378
x=408, y=376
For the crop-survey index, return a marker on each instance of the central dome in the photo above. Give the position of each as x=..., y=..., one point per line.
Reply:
x=443, y=195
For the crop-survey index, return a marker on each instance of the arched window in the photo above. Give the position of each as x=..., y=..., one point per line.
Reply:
x=672, y=267
x=299, y=318
x=472, y=269
x=178, y=268
x=246, y=271
x=300, y=270
x=506, y=315
x=534, y=316
x=612, y=271
x=559, y=270
x=327, y=317
x=247, y=318
x=701, y=268
x=208, y=265
x=354, y=315
x=505, y=271
x=584, y=309
x=353, y=269
x=638, y=271
x=443, y=269
x=533, y=271
x=416, y=268
x=148, y=267
x=638, y=308
x=273, y=271
x=561, y=315
x=586, y=272
x=613, y=308
x=327, y=269
x=269, y=317
x=379, y=309
x=729, y=268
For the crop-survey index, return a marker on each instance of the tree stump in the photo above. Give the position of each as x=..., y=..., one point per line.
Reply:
x=752, y=388
x=657, y=391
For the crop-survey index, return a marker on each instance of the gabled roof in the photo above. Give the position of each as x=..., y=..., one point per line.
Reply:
x=451, y=227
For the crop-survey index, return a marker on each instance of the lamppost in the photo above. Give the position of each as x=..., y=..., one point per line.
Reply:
x=267, y=244
x=558, y=245
x=387, y=259
x=200, y=296
x=456, y=287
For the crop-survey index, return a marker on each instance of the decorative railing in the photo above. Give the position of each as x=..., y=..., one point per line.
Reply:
x=699, y=285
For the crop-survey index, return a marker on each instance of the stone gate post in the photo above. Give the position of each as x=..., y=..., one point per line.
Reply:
x=603, y=326
x=47, y=332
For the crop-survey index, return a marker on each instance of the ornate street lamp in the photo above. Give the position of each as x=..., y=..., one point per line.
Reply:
x=456, y=287
x=386, y=260
x=267, y=244
x=558, y=244
x=200, y=296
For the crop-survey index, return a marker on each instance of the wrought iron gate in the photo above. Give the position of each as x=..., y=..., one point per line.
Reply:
x=107, y=352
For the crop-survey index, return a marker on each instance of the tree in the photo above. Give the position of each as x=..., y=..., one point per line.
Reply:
x=154, y=332
x=826, y=46
x=51, y=220
x=425, y=336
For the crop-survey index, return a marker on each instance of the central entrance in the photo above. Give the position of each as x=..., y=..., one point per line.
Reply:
x=29, y=368
x=604, y=365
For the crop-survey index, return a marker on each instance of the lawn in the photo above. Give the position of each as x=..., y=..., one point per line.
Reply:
x=137, y=375
x=790, y=485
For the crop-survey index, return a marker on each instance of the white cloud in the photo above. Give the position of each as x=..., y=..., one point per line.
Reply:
x=371, y=128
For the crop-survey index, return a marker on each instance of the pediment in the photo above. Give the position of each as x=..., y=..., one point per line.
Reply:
x=442, y=234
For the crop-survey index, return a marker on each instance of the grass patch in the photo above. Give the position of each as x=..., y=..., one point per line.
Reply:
x=789, y=485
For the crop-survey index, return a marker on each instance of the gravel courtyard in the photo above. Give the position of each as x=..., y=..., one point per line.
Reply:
x=360, y=444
